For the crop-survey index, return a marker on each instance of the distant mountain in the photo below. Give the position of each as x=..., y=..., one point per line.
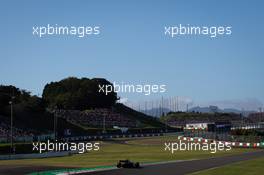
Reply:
x=157, y=112
x=201, y=109
x=211, y=109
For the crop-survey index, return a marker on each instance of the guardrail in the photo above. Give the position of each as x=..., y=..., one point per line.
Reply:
x=105, y=137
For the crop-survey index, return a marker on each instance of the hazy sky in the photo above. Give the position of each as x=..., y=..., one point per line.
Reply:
x=132, y=47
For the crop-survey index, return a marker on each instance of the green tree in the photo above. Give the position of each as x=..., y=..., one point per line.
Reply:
x=81, y=94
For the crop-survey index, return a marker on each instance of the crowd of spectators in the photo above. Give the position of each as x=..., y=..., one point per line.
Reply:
x=96, y=118
x=5, y=131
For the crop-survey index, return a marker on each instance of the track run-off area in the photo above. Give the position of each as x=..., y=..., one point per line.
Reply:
x=148, y=151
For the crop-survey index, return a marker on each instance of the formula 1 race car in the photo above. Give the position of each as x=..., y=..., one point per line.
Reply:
x=127, y=164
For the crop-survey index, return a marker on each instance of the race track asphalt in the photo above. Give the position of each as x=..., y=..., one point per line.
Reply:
x=170, y=168
x=24, y=169
x=184, y=167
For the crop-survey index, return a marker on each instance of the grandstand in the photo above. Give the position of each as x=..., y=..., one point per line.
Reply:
x=17, y=132
x=97, y=117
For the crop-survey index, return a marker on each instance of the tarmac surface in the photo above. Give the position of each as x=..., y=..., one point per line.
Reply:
x=170, y=168
x=24, y=169
x=184, y=167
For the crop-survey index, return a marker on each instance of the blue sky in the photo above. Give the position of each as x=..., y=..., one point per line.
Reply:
x=132, y=47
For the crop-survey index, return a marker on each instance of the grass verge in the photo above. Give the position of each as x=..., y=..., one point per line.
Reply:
x=141, y=150
x=249, y=167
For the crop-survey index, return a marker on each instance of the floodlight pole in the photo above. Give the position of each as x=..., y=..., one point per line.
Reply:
x=55, y=123
x=104, y=131
x=11, y=126
x=54, y=127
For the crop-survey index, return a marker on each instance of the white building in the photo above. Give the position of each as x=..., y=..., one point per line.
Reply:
x=202, y=126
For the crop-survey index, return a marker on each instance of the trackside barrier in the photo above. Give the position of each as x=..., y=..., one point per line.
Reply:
x=102, y=137
x=234, y=144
